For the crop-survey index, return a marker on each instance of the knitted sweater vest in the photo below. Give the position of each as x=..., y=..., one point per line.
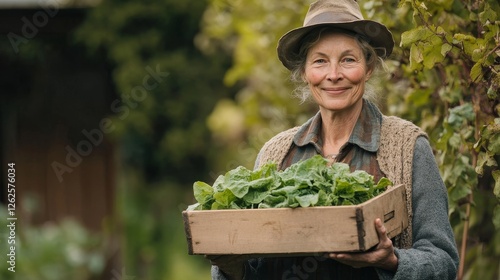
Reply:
x=395, y=158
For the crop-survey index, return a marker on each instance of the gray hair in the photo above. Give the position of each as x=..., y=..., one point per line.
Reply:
x=373, y=62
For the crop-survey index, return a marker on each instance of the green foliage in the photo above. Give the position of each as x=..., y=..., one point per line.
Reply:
x=464, y=56
x=166, y=88
x=250, y=31
x=160, y=119
x=52, y=251
x=311, y=182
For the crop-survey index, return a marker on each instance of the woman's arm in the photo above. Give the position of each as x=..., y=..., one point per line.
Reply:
x=434, y=253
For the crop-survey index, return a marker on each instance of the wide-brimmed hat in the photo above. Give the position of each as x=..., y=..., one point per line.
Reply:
x=342, y=14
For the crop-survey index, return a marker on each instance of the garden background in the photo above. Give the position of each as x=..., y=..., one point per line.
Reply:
x=173, y=92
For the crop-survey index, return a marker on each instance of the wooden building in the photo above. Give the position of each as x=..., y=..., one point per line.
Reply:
x=55, y=100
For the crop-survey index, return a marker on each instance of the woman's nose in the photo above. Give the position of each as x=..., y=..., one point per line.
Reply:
x=334, y=73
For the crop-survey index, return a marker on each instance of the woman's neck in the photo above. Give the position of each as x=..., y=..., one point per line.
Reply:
x=337, y=127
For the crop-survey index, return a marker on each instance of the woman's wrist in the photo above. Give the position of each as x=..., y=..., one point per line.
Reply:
x=392, y=263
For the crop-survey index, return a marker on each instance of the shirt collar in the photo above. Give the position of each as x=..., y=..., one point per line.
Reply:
x=366, y=132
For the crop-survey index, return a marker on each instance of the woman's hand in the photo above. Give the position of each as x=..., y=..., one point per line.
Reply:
x=382, y=256
x=231, y=265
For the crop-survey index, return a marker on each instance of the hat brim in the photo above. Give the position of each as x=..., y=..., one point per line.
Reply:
x=377, y=35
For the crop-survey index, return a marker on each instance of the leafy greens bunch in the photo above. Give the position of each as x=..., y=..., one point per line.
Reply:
x=311, y=182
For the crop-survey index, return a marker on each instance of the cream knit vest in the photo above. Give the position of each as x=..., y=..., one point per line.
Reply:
x=395, y=157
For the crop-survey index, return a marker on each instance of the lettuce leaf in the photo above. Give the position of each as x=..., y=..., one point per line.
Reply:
x=304, y=184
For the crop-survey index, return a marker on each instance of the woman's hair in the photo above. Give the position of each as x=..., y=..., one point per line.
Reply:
x=373, y=62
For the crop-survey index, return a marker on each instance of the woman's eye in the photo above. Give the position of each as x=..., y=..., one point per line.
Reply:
x=320, y=60
x=348, y=60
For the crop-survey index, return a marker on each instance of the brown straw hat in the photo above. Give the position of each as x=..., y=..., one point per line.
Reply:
x=342, y=14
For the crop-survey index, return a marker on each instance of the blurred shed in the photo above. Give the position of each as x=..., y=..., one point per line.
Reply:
x=55, y=100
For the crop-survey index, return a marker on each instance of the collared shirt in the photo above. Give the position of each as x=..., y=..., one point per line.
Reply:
x=360, y=151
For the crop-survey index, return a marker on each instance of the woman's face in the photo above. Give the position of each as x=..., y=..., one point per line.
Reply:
x=336, y=72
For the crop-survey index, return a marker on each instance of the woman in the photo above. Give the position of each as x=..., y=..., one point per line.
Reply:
x=335, y=53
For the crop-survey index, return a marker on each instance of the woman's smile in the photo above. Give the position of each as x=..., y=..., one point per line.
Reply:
x=335, y=90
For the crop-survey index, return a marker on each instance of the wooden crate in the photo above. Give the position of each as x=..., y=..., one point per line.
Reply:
x=295, y=231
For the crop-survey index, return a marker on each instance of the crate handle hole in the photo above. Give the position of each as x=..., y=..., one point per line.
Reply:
x=389, y=216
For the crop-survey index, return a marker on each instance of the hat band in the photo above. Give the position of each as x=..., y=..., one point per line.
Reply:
x=329, y=17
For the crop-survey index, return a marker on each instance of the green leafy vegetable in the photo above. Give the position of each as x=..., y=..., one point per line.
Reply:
x=307, y=183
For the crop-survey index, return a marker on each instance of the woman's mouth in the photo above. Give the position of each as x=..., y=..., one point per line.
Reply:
x=335, y=90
